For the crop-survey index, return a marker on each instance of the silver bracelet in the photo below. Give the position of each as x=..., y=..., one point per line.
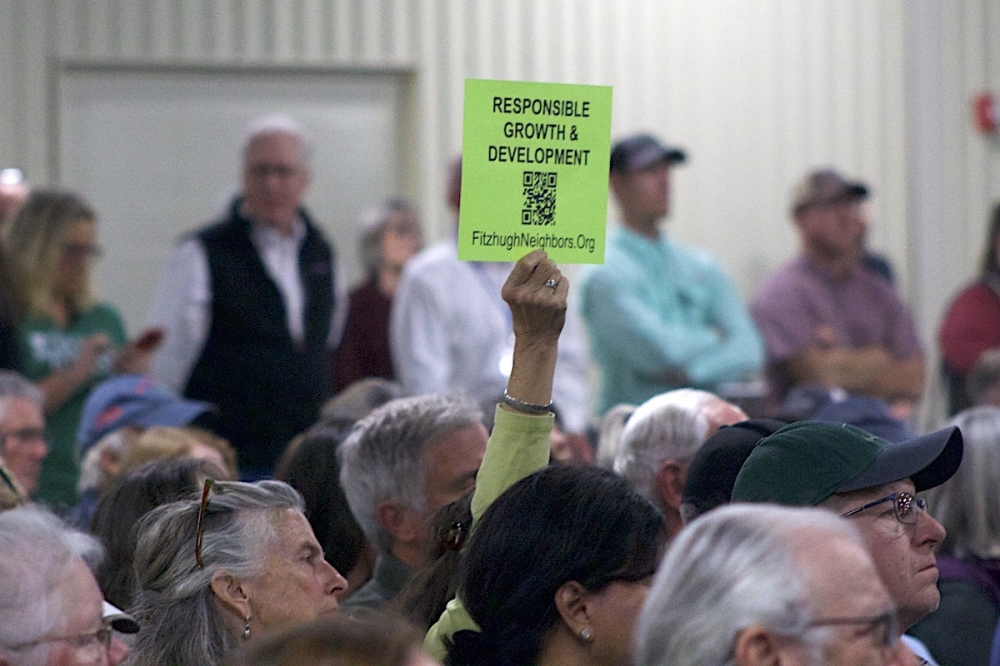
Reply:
x=526, y=407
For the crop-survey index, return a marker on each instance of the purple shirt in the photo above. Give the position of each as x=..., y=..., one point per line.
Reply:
x=861, y=310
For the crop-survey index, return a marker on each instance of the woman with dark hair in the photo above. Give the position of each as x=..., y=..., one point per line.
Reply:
x=129, y=498
x=425, y=595
x=579, y=548
x=971, y=324
x=519, y=446
x=310, y=466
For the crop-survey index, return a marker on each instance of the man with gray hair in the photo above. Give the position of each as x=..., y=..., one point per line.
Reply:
x=51, y=609
x=401, y=463
x=660, y=439
x=250, y=305
x=22, y=431
x=754, y=585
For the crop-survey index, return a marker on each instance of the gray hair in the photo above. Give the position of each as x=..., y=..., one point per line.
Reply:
x=668, y=426
x=16, y=385
x=984, y=378
x=609, y=433
x=968, y=504
x=397, y=214
x=381, y=461
x=277, y=124
x=179, y=618
x=36, y=549
x=728, y=570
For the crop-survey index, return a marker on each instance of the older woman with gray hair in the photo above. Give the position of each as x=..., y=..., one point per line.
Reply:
x=238, y=562
x=960, y=631
x=391, y=235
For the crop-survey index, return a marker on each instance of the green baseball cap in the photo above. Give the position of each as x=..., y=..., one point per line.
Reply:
x=806, y=462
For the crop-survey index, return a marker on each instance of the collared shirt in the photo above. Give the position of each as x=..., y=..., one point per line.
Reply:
x=859, y=310
x=450, y=331
x=388, y=579
x=661, y=316
x=183, y=300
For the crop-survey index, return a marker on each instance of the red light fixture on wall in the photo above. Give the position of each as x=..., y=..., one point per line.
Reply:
x=985, y=113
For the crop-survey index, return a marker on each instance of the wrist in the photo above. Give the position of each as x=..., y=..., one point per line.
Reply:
x=525, y=407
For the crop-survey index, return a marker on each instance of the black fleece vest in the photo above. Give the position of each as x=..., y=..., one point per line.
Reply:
x=266, y=387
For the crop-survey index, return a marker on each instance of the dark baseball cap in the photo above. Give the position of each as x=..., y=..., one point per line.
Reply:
x=715, y=466
x=642, y=151
x=133, y=400
x=825, y=187
x=805, y=463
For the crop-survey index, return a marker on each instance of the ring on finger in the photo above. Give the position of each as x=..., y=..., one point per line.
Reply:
x=552, y=283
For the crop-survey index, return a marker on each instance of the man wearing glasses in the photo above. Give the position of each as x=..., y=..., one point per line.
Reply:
x=22, y=431
x=871, y=482
x=51, y=609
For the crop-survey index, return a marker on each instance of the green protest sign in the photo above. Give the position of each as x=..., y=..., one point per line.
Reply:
x=534, y=171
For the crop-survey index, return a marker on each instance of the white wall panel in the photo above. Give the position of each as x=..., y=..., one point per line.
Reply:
x=758, y=91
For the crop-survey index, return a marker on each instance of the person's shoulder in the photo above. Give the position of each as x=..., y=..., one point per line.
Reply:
x=779, y=286
x=434, y=263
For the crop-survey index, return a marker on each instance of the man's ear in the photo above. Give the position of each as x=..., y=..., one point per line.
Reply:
x=755, y=646
x=670, y=483
x=109, y=461
x=571, y=602
x=232, y=593
x=401, y=522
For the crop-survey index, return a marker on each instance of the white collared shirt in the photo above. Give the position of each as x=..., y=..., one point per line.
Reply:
x=183, y=302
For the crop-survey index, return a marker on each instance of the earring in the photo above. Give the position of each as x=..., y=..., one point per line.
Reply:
x=586, y=635
x=246, y=629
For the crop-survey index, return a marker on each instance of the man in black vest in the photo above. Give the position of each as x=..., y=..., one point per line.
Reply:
x=250, y=305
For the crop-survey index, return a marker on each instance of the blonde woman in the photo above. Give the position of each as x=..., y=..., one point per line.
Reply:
x=69, y=340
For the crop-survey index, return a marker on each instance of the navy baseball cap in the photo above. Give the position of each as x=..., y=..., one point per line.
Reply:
x=133, y=400
x=642, y=151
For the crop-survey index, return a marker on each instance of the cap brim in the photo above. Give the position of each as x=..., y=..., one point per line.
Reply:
x=928, y=461
x=119, y=620
x=173, y=414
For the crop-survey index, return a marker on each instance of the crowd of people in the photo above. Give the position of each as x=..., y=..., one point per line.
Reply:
x=279, y=470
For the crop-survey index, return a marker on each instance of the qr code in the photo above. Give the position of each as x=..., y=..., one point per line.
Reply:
x=539, y=198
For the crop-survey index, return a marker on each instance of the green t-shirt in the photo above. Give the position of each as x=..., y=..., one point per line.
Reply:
x=47, y=348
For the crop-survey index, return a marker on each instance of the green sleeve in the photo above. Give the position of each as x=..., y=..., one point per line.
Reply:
x=518, y=447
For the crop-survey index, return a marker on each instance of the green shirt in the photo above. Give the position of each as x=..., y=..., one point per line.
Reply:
x=48, y=348
x=518, y=447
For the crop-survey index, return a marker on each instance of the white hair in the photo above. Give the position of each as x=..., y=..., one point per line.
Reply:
x=36, y=550
x=728, y=570
x=668, y=426
x=16, y=385
x=380, y=460
x=277, y=124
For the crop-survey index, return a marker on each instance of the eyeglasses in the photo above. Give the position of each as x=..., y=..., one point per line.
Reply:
x=101, y=636
x=82, y=251
x=887, y=624
x=906, y=507
x=200, y=529
x=24, y=435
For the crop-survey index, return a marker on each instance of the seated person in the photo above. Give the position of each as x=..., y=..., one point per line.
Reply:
x=51, y=609
x=241, y=562
x=660, y=439
x=827, y=320
x=971, y=324
x=756, y=585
